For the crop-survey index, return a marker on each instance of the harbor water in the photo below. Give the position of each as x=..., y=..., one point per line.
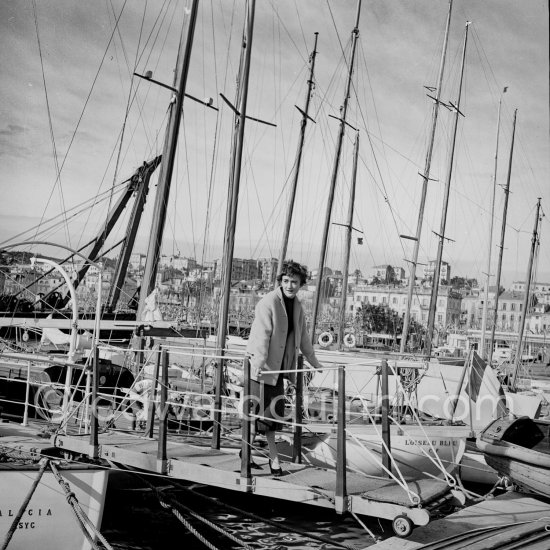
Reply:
x=135, y=519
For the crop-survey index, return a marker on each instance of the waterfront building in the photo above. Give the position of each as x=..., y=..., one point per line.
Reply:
x=448, y=307
x=241, y=269
x=539, y=321
x=540, y=290
x=536, y=288
x=399, y=274
x=472, y=308
x=137, y=261
x=177, y=262
x=444, y=271
x=268, y=270
x=384, y=273
x=510, y=310
x=20, y=278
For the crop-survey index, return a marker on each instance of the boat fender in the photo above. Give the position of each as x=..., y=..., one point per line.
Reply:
x=325, y=339
x=25, y=336
x=349, y=340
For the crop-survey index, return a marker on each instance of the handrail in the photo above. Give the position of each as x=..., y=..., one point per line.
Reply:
x=31, y=356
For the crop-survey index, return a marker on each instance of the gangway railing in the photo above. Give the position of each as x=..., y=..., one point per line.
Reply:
x=159, y=405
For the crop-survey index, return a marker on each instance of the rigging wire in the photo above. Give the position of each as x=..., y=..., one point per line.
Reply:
x=128, y=103
x=215, y=150
x=91, y=89
x=95, y=200
x=50, y=124
x=288, y=33
x=275, y=213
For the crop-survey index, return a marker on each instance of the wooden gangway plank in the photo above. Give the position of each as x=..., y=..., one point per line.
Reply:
x=367, y=495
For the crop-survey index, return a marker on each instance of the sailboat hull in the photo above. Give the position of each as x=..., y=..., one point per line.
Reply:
x=412, y=450
x=48, y=522
x=519, y=449
x=528, y=477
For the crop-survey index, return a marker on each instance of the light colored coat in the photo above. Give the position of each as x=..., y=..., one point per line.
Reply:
x=268, y=339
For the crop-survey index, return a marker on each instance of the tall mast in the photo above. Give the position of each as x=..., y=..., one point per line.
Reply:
x=435, y=282
x=349, y=229
x=519, y=349
x=168, y=156
x=343, y=112
x=305, y=117
x=490, y=244
x=425, y=180
x=502, y=235
x=231, y=213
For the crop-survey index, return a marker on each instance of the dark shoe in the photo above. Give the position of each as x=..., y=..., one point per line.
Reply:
x=253, y=465
x=277, y=472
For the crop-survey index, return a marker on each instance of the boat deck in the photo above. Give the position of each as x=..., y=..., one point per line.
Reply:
x=371, y=496
x=22, y=440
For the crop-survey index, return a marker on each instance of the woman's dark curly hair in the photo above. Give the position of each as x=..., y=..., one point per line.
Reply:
x=292, y=268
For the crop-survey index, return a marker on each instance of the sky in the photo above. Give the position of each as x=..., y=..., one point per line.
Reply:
x=76, y=123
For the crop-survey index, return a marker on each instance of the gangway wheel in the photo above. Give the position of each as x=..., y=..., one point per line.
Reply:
x=402, y=526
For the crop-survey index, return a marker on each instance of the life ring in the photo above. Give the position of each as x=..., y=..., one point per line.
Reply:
x=325, y=339
x=349, y=340
x=25, y=336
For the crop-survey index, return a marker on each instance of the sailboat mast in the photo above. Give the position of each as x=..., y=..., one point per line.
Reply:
x=343, y=113
x=168, y=156
x=425, y=180
x=502, y=235
x=349, y=229
x=519, y=350
x=435, y=281
x=305, y=117
x=231, y=213
x=490, y=244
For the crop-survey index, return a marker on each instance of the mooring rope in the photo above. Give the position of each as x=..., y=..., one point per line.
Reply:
x=172, y=504
x=23, y=507
x=277, y=524
x=188, y=526
x=83, y=519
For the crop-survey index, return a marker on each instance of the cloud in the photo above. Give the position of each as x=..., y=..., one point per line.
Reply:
x=10, y=142
x=12, y=130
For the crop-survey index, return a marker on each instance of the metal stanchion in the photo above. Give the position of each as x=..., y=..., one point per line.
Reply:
x=162, y=454
x=385, y=417
x=340, y=496
x=94, y=422
x=27, y=395
x=246, y=424
x=298, y=416
x=150, y=427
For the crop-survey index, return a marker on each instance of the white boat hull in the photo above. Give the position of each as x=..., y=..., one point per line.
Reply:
x=412, y=452
x=48, y=522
